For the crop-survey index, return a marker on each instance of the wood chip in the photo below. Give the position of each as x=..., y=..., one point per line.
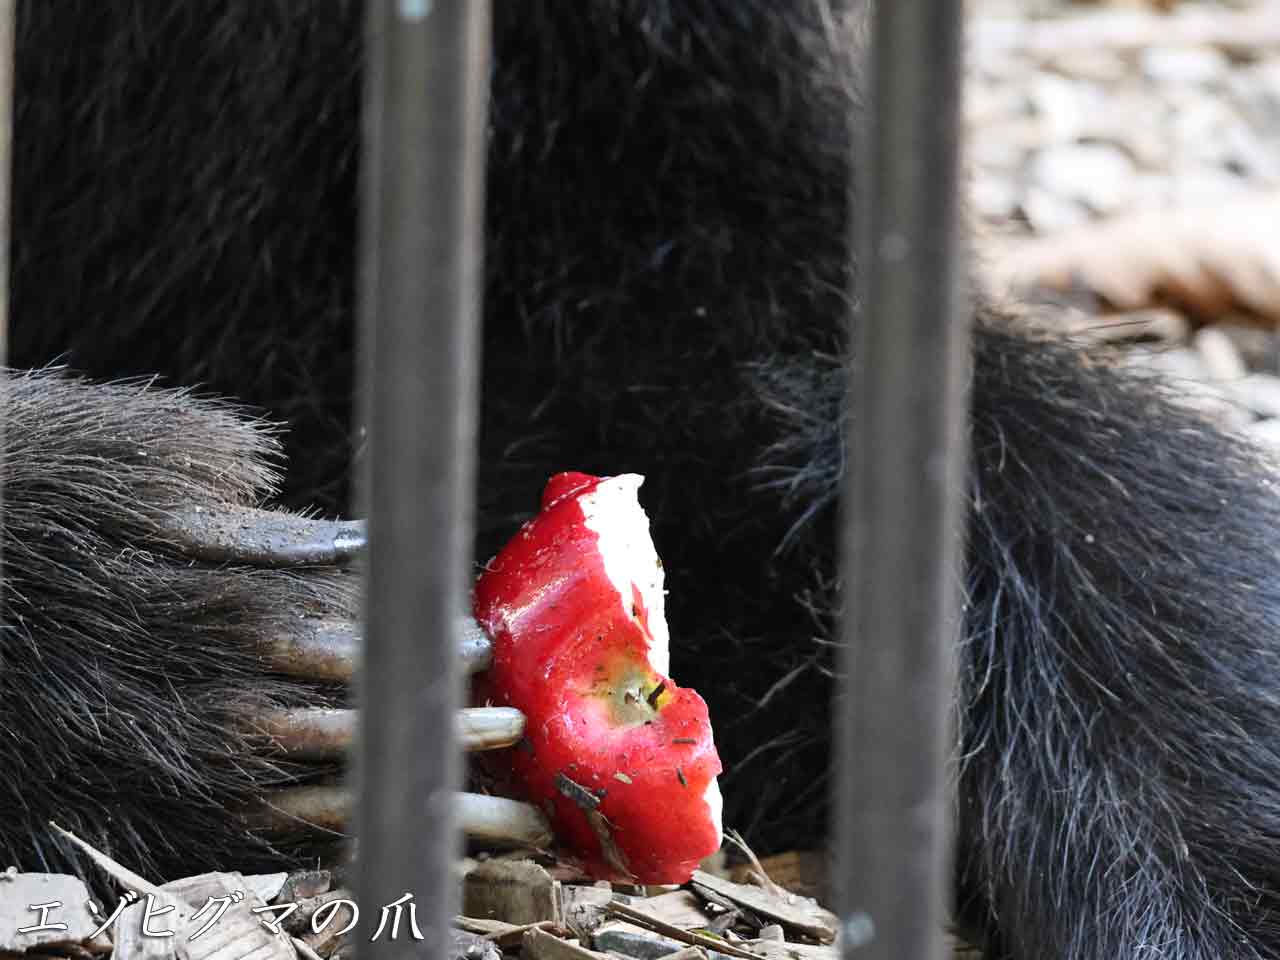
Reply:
x=239, y=934
x=299, y=921
x=266, y=886
x=773, y=950
x=688, y=953
x=796, y=913
x=483, y=927
x=802, y=872
x=20, y=891
x=505, y=935
x=139, y=937
x=467, y=946
x=175, y=908
x=540, y=945
x=584, y=908
x=642, y=919
x=514, y=891
x=721, y=924
x=624, y=939
x=303, y=885
x=680, y=908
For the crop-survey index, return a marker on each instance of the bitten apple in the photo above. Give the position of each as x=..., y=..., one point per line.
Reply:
x=619, y=757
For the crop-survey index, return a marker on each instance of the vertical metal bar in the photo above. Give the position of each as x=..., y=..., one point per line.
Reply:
x=426, y=109
x=904, y=499
x=8, y=52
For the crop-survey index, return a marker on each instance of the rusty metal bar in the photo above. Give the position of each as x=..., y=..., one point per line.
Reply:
x=425, y=109
x=904, y=496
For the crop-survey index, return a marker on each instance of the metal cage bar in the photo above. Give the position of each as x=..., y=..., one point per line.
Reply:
x=8, y=15
x=8, y=52
x=903, y=496
x=426, y=108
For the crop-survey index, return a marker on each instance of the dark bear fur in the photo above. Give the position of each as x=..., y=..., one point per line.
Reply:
x=129, y=674
x=667, y=277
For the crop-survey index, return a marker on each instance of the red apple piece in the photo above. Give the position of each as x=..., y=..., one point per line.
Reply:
x=618, y=756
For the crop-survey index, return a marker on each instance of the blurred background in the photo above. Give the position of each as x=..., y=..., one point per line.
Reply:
x=1124, y=166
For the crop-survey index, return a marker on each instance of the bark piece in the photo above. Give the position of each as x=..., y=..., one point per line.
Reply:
x=513, y=891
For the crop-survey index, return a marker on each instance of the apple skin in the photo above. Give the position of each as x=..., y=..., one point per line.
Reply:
x=620, y=758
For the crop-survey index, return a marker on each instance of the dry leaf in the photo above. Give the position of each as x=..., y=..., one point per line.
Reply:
x=1206, y=260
